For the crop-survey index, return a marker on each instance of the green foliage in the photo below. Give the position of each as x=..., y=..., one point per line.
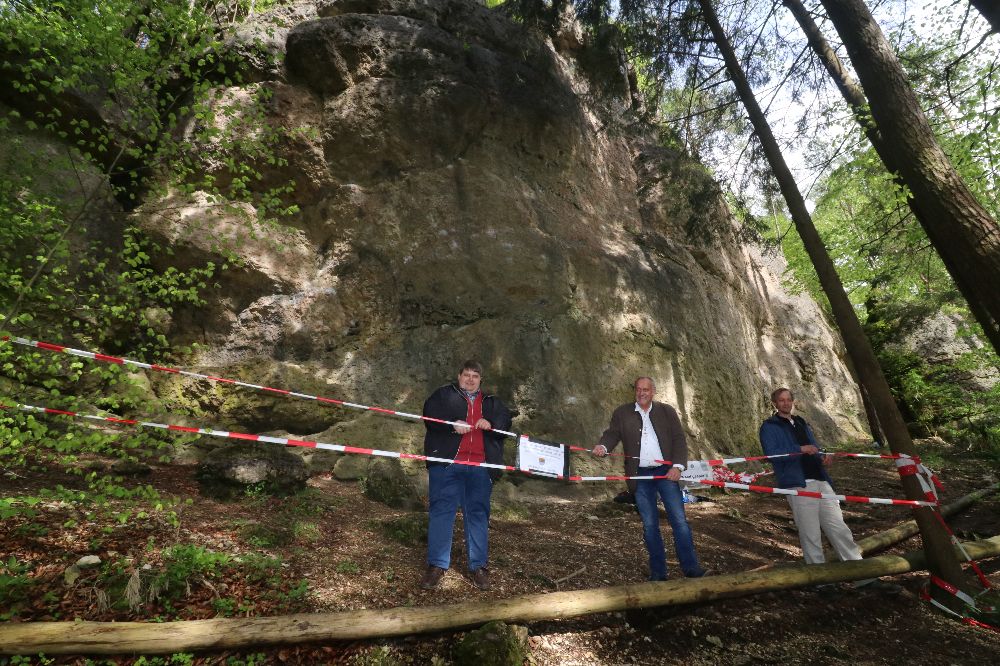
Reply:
x=255, y=659
x=381, y=655
x=960, y=93
x=176, y=659
x=897, y=284
x=347, y=567
x=512, y=513
x=700, y=122
x=15, y=586
x=120, y=113
x=23, y=660
x=285, y=520
x=181, y=564
x=162, y=588
x=267, y=535
x=259, y=568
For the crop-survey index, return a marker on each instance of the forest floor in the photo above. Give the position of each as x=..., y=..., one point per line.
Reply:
x=330, y=548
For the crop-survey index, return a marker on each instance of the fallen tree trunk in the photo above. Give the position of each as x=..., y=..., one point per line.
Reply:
x=227, y=633
x=892, y=536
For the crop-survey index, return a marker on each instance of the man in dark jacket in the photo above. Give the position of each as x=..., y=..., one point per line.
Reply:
x=654, y=445
x=786, y=433
x=468, y=439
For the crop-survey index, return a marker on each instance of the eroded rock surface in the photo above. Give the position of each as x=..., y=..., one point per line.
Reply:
x=467, y=189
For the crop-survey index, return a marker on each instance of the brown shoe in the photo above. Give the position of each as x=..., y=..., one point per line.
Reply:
x=432, y=577
x=480, y=578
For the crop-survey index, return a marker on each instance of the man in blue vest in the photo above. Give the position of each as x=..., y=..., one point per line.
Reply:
x=786, y=433
x=463, y=483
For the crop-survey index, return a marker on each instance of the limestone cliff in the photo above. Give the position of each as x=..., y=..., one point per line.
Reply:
x=468, y=189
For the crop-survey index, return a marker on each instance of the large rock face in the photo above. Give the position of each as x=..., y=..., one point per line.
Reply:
x=466, y=190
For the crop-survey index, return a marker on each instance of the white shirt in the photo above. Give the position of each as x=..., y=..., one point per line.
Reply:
x=649, y=443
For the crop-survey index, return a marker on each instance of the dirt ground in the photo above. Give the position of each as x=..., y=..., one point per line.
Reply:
x=339, y=551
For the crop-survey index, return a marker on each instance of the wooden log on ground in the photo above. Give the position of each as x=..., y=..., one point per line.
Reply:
x=903, y=531
x=54, y=638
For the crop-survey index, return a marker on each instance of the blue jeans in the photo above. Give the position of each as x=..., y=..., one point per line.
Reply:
x=645, y=501
x=453, y=486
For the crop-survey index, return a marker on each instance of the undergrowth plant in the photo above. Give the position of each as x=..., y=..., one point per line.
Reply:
x=120, y=115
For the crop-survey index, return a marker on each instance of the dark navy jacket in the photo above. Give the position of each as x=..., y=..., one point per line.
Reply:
x=777, y=436
x=449, y=404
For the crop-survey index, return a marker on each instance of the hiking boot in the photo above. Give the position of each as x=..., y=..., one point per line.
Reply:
x=624, y=497
x=480, y=578
x=432, y=577
x=701, y=573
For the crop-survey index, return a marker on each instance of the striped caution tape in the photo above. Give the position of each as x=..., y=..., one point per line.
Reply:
x=288, y=441
x=857, y=499
x=912, y=467
x=341, y=448
x=955, y=592
x=959, y=594
x=120, y=360
x=908, y=466
x=928, y=484
x=838, y=454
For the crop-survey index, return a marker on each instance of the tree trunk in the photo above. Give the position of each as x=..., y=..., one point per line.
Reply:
x=28, y=638
x=959, y=227
x=990, y=9
x=940, y=554
x=856, y=99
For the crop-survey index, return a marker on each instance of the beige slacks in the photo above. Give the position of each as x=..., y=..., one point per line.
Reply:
x=816, y=517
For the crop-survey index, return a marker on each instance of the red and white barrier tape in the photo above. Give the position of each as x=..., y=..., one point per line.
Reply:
x=965, y=598
x=928, y=482
x=857, y=499
x=119, y=360
x=955, y=592
x=287, y=441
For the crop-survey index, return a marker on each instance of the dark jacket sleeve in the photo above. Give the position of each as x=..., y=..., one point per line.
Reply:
x=501, y=419
x=809, y=434
x=678, y=443
x=812, y=440
x=772, y=441
x=436, y=407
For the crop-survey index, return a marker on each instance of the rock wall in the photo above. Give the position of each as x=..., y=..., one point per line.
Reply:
x=465, y=189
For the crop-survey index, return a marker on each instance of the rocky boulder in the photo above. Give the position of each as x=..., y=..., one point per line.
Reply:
x=233, y=469
x=493, y=644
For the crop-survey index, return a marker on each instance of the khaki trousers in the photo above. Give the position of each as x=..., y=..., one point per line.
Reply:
x=816, y=517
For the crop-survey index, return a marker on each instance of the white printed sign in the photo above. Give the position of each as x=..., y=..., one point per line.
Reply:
x=697, y=470
x=538, y=458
